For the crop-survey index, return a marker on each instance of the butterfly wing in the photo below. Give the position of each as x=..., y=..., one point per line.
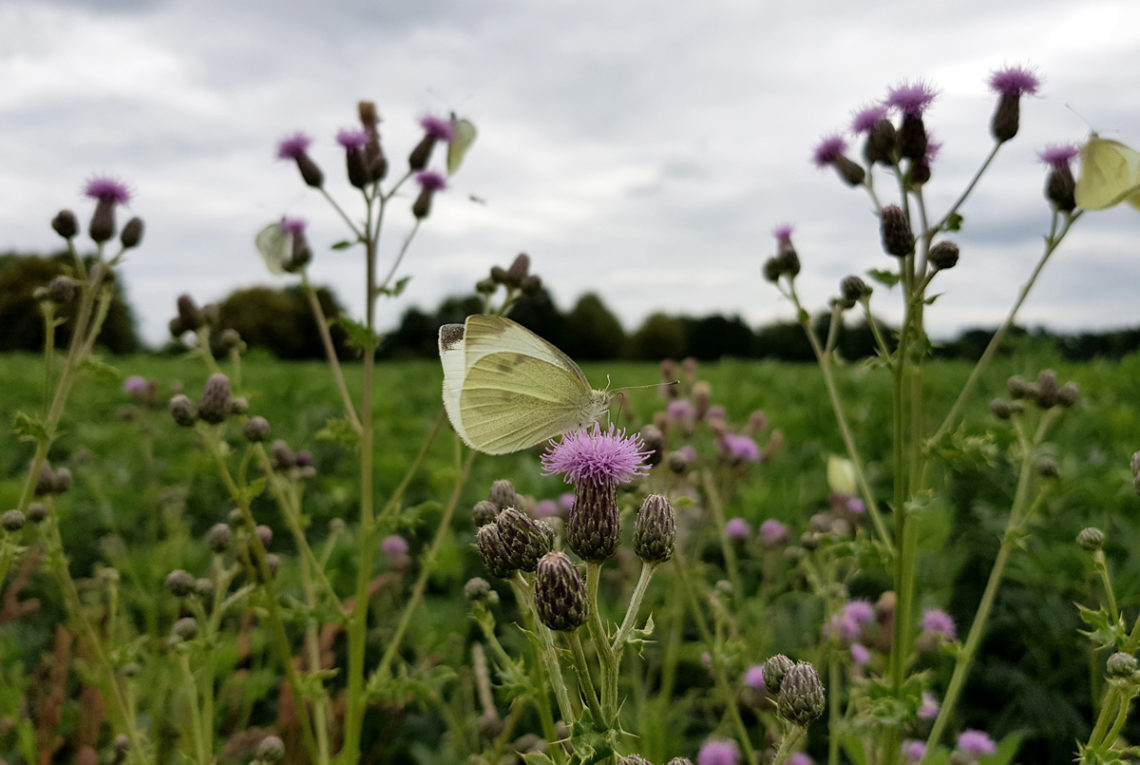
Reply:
x=452, y=347
x=276, y=247
x=1110, y=173
x=464, y=136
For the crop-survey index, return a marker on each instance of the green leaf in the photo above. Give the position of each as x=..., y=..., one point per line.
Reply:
x=465, y=133
x=537, y=758
x=884, y=277
x=395, y=290
x=359, y=336
x=953, y=223
x=339, y=431
x=1103, y=633
x=28, y=428
x=343, y=244
x=249, y=492
x=100, y=368
x=929, y=300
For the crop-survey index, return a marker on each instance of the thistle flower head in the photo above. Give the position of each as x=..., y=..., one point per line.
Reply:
x=859, y=654
x=911, y=98
x=773, y=533
x=596, y=457
x=913, y=751
x=293, y=225
x=783, y=233
x=294, y=146
x=437, y=127
x=799, y=758
x=737, y=529
x=719, y=752
x=351, y=138
x=828, y=150
x=680, y=409
x=754, y=677
x=937, y=621
x=1014, y=81
x=929, y=708
x=975, y=742
x=1059, y=156
x=394, y=546
x=741, y=448
x=106, y=189
x=430, y=180
x=864, y=119
x=136, y=384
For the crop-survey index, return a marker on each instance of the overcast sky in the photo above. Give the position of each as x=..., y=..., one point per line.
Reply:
x=641, y=150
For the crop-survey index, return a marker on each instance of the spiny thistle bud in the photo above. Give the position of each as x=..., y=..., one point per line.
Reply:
x=1019, y=387
x=486, y=286
x=559, y=593
x=239, y=405
x=214, y=405
x=37, y=512
x=435, y=129
x=1090, y=539
x=61, y=481
x=183, y=410
x=524, y=542
x=593, y=525
x=296, y=148
x=484, y=512
x=854, y=288
x=772, y=269
x=898, y=239
x=264, y=535
x=283, y=456
x=132, y=233
x=478, y=590
x=1068, y=395
x=177, y=327
x=12, y=520
x=634, y=759
x=204, y=588
x=944, y=255
x=493, y=552
x=912, y=139
x=849, y=170
x=548, y=530
x=256, y=429
x=801, y=698
x=532, y=284
x=230, y=340
x=185, y=628
x=1048, y=468
x=881, y=141
x=787, y=259
x=219, y=537
x=1121, y=665
x=680, y=761
x=1060, y=188
x=655, y=530
x=654, y=441
x=1001, y=409
x=430, y=182
x=774, y=670
x=503, y=495
x=498, y=275
x=61, y=289
x=189, y=314
x=1047, y=389
x=271, y=749
x=1006, y=118
x=45, y=480
x=179, y=583
x=519, y=270
x=1010, y=84
x=211, y=314
x=64, y=224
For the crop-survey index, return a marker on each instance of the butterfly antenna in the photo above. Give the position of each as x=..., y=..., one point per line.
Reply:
x=638, y=387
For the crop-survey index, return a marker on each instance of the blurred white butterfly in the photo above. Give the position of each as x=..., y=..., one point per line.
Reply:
x=276, y=247
x=1110, y=174
x=506, y=389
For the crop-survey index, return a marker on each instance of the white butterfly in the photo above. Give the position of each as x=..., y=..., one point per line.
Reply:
x=276, y=247
x=506, y=389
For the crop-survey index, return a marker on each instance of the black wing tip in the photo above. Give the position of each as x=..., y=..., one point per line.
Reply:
x=450, y=335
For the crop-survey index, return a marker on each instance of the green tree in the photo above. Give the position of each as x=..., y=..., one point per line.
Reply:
x=592, y=331
x=658, y=337
x=281, y=321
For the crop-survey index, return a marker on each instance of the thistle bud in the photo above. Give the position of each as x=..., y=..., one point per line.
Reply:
x=849, y=170
x=189, y=314
x=898, y=240
x=185, y=628
x=680, y=761
x=219, y=537
x=634, y=759
x=498, y=275
x=1090, y=539
x=493, y=552
x=60, y=481
x=485, y=286
x=774, y=670
x=271, y=749
x=593, y=525
x=264, y=535
x=256, y=429
x=523, y=541
x=211, y=314
x=1068, y=395
x=787, y=258
x=801, y=698
x=1048, y=468
x=102, y=225
x=654, y=441
x=179, y=583
x=519, y=269
x=854, y=288
x=64, y=224
x=430, y=182
x=1019, y=387
x=37, y=512
x=880, y=146
x=912, y=139
x=503, y=495
x=132, y=233
x=183, y=410
x=944, y=255
x=559, y=593
x=283, y=456
x=177, y=327
x=478, y=590
x=532, y=284
x=1120, y=665
x=1060, y=188
x=1006, y=118
x=12, y=520
x=214, y=405
x=772, y=270
x=420, y=155
x=655, y=530
x=1047, y=389
x=1001, y=409
x=484, y=512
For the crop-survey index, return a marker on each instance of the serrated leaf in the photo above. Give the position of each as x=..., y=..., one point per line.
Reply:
x=343, y=244
x=884, y=277
x=28, y=428
x=339, y=431
x=100, y=368
x=537, y=758
x=930, y=299
x=359, y=336
x=396, y=289
x=464, y=134
x=953, y=223
x=1102, y=632
x=249, y=492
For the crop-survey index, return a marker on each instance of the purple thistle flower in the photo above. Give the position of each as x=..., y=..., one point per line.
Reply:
x=394, y=546
x=741, y=448
x=783, y=232
x=773, y=533
x=860, y=655
x=938, y=621
x=716, y=412
x=293, y=225
x=294, y=146
x=596, y=457
x=975, y=742
x=754, y=677
x=859, y=611
x=1059, y=156
x=929, y=708
x=737, y=529
x=856, y=506
x=135, y=384
x=438, y=128
x=680, y=409
x=430, y=180
x=688, y=453
x=799, y=758
x=719, y=752
x=1014, y=81
x=932, y=149
x=352, y=139
x=911, y=98
x=827, y=151
x=566, y=501
x=107, y=189
x=913, y=751
x=706, y=660
x=865, y=118
x=545, y=508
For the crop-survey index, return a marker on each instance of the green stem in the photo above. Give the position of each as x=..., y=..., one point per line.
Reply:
x=969, y=188
x=726, y=547
x=195, y=712
x=789, y=740
x=833, y=711
x=330, y=352
x=647, y=569
x=582, y=671
x=600, y=638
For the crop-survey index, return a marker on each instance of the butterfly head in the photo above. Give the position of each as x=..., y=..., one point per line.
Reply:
x=597, y=407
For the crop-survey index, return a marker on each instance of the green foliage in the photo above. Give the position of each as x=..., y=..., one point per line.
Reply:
x=592, y=331
x=281, y=322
